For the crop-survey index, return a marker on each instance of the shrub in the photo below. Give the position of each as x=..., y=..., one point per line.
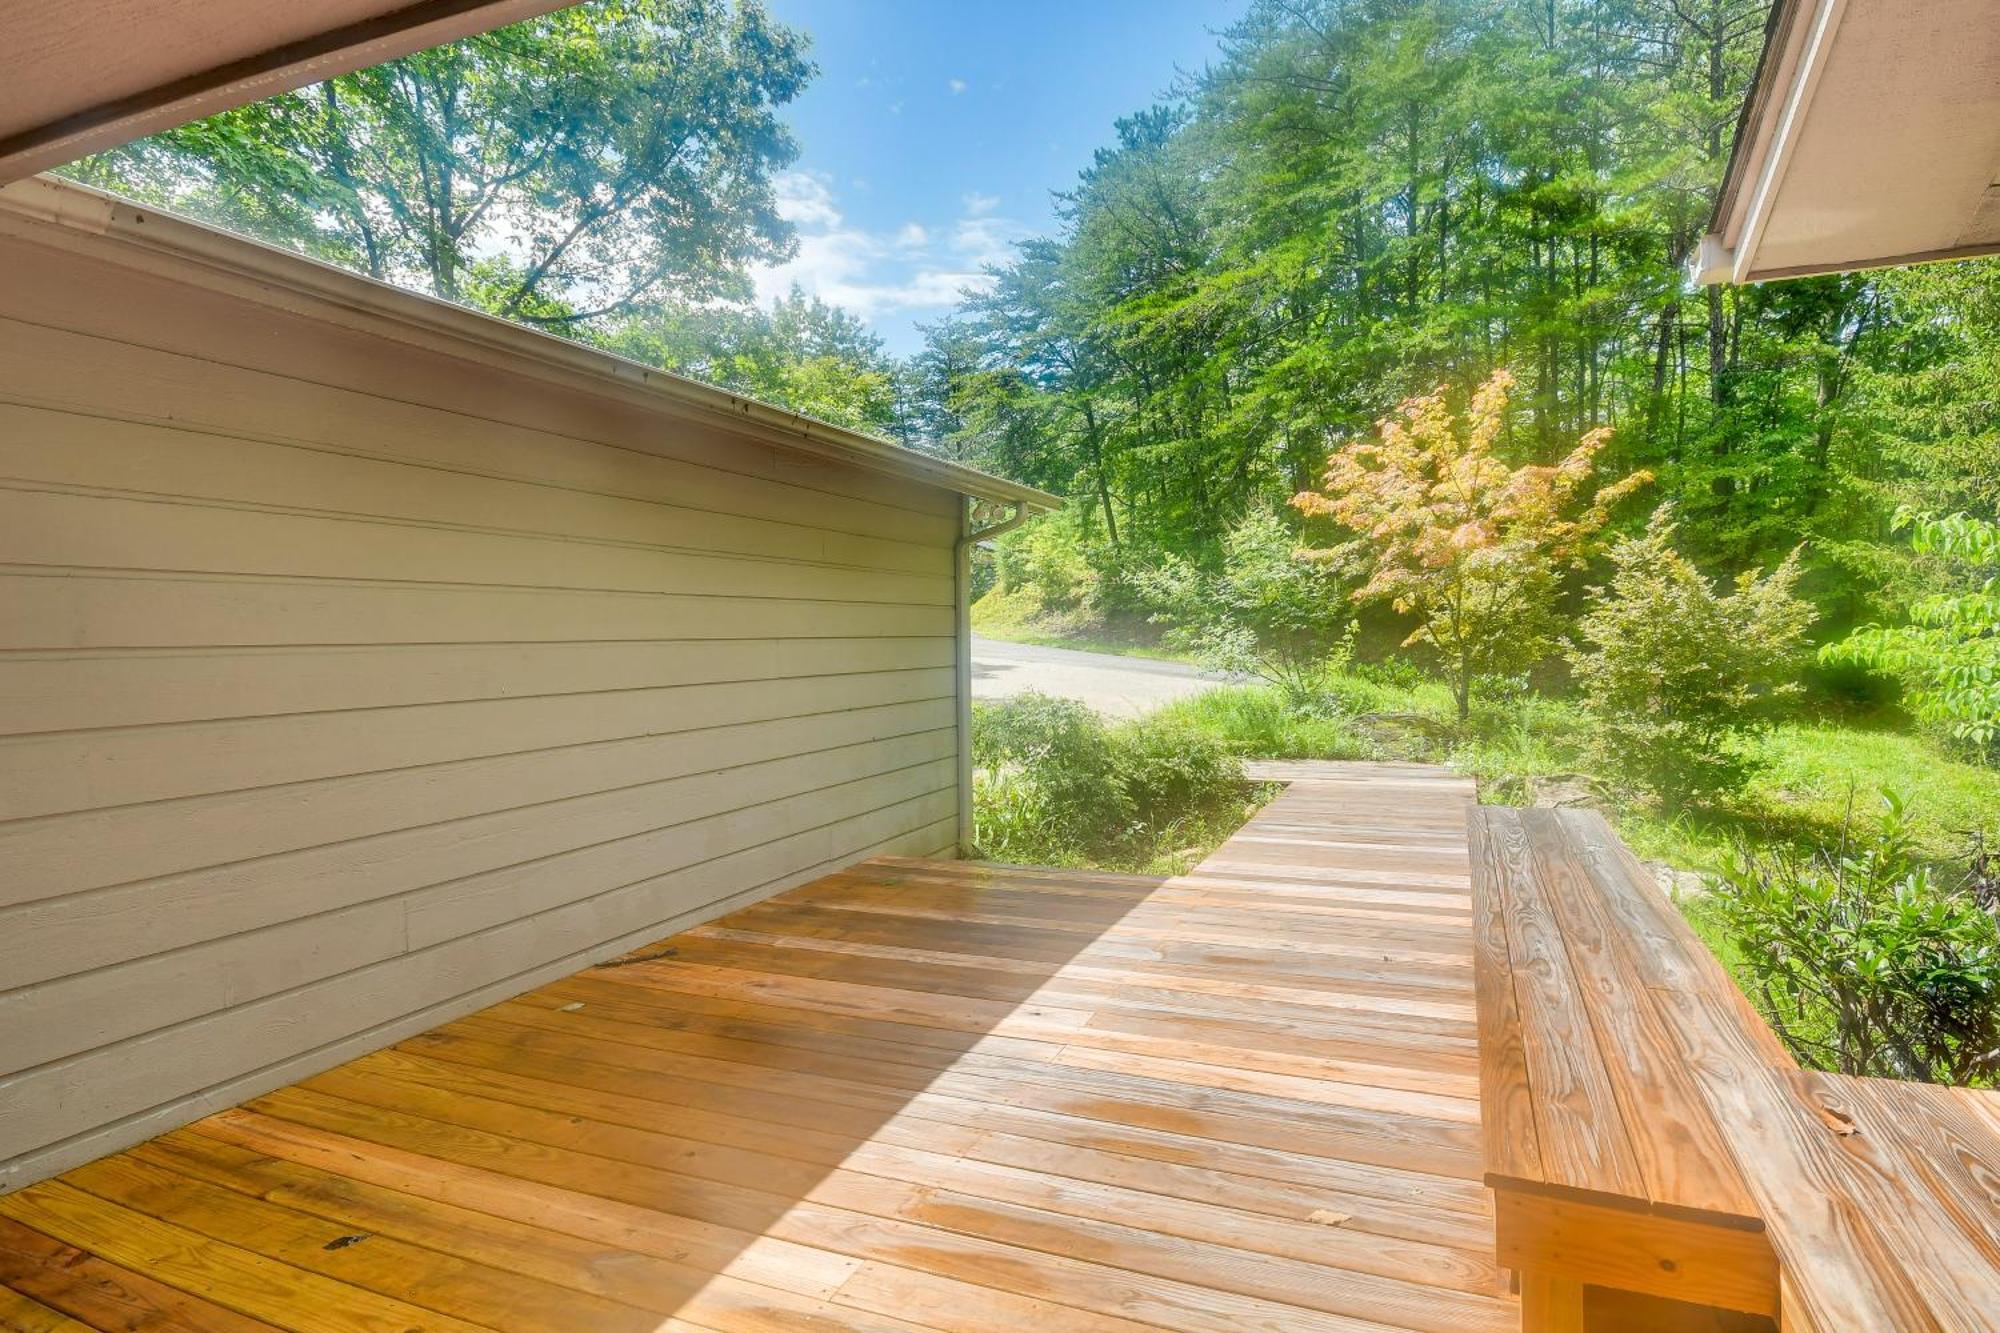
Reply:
x=1453, y=536
x=1060, y=749
x=1051, y=557
x=1055, y=786
x=1865, y=962
x=1172, y=772
x=1266, y=613
x=1948, y=657
x=1678, y=678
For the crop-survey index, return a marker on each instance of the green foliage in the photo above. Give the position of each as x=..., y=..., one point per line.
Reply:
x=1449, y=534
x=1059, y=749
x=1258, y=721
x=1051, y=558
x=1359, y=201
x=1865, y=961
x=1948, y=656
x=1054, y=786
x=801, y=353
x=1171, y=772
x=1678, y=679
x=610, y=151
x=1266, y=612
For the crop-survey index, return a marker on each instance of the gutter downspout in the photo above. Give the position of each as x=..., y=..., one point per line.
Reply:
x=968, y=537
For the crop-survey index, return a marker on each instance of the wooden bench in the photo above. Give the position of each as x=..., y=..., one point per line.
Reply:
x=1652, y=1146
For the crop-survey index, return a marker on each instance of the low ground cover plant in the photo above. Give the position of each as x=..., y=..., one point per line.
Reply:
x=1054, y=785
x=1867, y=959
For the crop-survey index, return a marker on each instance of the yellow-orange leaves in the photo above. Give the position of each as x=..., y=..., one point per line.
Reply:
x=1448, y=532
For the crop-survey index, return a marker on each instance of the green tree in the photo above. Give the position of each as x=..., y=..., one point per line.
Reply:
x=800, y=353
x=1948, y=656
x=554, y=171
x=1450, y=535
x=1266, y=612
x=1678, y=677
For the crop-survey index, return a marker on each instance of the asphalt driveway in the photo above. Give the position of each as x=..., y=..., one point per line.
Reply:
x=1116, y=687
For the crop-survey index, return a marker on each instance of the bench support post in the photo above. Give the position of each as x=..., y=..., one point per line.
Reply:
x=1550, y=1303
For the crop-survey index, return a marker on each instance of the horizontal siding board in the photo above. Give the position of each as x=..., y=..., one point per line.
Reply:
x=58, y=693
x=44, y=447
x=96, y=849
x=77, y=933
x=91, y=610
x=89, y=1142
x=118, y=532
x=55, y=1019
x=258, y=346
x=349, y=683
x=55, y=774
x=39, y=1107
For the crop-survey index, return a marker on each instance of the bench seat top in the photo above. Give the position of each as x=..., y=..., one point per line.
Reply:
x=1620, y=1063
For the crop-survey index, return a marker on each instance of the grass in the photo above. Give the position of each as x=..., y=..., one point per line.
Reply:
x=1816, y=771
x=1020, y=618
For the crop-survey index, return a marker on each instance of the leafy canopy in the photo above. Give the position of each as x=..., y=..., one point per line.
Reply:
x=1452, y=536
x=1266, y=612
x=813, y=357
x=565, y=167
x=1678, y=677
x=1949, y=654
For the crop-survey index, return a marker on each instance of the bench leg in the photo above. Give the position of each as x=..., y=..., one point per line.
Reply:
x=1550, y=1304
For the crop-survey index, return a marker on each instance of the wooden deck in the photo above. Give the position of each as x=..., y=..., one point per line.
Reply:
x=912, y=1094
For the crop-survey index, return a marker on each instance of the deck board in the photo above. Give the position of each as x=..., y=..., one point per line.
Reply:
x=912, y=1094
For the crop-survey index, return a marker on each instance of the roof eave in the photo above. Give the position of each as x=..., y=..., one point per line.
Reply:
x=416, y=26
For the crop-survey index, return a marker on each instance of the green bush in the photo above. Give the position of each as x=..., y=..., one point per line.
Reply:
x=1171, y=772
x=1265, y=613
x=1051, y=557
x=1677, y=678
x=1060, y=749
x=1948, y=656
x=1865, y=962
x=1054, y=786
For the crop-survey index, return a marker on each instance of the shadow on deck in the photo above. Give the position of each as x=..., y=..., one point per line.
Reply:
x=911, y=1094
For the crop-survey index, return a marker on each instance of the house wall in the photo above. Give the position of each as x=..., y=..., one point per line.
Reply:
x=348, y=684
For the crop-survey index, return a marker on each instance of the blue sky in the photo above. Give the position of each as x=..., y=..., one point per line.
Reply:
x=937, y=129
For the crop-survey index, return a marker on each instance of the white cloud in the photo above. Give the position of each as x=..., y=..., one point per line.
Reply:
x=957, y=86
x=912, y=267
x=984, y=240
x=805, y=199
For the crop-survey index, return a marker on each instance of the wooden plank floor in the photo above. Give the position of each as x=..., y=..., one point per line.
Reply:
x=910, y=1095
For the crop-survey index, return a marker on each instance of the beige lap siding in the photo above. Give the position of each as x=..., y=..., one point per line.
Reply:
x=350, y=683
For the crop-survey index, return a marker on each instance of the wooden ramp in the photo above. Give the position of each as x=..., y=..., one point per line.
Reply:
x=910, y=1095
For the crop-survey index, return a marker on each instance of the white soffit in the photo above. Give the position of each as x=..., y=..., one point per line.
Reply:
x=1872, y=138
x=80, y=76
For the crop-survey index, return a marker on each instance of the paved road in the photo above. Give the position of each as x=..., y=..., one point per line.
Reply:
x=1114, y=686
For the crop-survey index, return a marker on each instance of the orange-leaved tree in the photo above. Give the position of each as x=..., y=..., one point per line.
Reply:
x=1450, y=534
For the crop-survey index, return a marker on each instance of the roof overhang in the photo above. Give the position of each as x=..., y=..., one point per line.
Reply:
x=1871, y=138
x=80, y=76
x=55, y=212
